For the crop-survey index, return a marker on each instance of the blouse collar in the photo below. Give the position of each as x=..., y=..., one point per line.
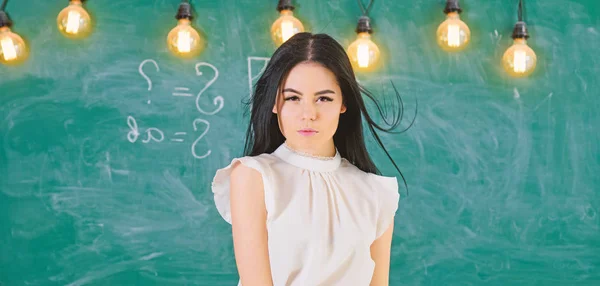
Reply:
x=306, y=161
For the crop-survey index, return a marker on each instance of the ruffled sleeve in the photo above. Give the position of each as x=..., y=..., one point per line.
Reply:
x=221, y=185
x=388, y=200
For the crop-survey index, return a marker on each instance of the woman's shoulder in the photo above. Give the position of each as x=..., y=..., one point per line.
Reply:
x=250, y=165
x=254, y=167
x=262, y=159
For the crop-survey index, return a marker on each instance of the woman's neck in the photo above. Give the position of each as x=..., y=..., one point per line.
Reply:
x=325, y=150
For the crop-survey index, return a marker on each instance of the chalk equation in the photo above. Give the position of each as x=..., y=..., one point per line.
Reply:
x=153, y=134
x=200, y=126
x=218, y=101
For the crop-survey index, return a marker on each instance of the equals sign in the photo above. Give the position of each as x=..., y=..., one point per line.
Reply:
x=178, y=139
x=178, y=93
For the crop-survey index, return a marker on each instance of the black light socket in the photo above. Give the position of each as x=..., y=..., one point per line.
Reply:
x=5, y=20
x=285, y=5
x=184, y=12
x=520, y=31
x=364, y=25
x=452, y=6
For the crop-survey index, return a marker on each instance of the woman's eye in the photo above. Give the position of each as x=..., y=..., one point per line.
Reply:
x=325, y=98
x=292, y=98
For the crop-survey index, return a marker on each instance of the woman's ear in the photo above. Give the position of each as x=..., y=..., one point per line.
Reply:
x=275, y=108
x=343, y=109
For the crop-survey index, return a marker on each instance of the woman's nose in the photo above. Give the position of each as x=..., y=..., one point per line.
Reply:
x=309, y=111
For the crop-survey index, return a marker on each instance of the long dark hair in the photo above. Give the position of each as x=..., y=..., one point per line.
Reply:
x=263, y=134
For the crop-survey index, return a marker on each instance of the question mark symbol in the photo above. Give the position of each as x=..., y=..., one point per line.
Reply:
x=140, y=69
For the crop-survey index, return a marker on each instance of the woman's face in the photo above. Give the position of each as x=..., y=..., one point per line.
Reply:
x=309, y=107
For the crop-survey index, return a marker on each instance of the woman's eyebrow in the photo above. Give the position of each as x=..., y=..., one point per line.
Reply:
x=326, y=91
x=292, y=90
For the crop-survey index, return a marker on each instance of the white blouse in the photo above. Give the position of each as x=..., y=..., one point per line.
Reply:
x=322, y=216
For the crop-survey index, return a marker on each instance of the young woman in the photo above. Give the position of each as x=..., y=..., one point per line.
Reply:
x=306, y=203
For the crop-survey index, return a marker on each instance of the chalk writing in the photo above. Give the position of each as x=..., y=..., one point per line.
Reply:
x=251, y=76
x=141, y=71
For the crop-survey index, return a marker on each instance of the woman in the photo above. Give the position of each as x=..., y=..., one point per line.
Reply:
x=306, y=203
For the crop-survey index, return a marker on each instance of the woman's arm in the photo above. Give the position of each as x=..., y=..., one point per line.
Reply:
x=248, y=216
x=380, y=253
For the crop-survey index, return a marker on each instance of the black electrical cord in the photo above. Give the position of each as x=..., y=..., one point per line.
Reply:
x=520, y=29
x=520, y=10
x=364, y=10
x=3, y=5
x=364, y=22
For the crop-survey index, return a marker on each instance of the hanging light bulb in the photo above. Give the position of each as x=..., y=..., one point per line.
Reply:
x=519, y=60
x=453, y=34
x=74, y=21
x=12, y=47
x=184, y=40
x=286, y=25
x=363, y=53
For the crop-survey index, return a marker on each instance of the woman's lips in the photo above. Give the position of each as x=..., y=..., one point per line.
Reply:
x=307, y=132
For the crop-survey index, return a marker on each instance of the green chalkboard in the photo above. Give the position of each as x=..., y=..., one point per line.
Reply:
x=109, y=144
